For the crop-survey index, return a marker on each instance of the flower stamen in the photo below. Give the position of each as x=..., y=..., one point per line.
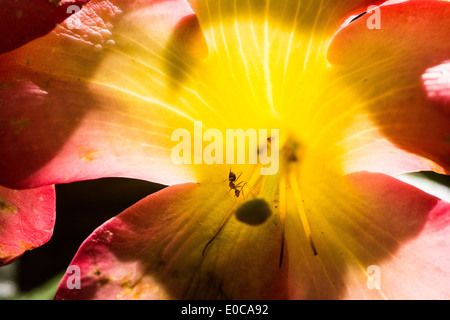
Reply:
x=301, y=210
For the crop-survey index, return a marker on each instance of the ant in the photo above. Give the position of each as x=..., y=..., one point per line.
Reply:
x=237, y=187
x=232, y=180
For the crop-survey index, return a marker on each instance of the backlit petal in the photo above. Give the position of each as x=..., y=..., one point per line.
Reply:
x=154, y=250
x=369, y=220
x=90, y=99
x=399, y=74
x=318, y=17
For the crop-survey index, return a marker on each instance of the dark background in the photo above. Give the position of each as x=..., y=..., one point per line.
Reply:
x=81, y=207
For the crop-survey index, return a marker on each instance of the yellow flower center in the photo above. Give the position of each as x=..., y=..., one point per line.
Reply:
x=262, y=76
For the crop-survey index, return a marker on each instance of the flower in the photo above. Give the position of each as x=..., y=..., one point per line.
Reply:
x=103, y=92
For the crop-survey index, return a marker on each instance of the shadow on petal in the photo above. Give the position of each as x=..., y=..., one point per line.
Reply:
x=185, y=48
x=154, y=251
x=45, y=95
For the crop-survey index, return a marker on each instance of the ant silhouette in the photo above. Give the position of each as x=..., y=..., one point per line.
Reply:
x=234, y=185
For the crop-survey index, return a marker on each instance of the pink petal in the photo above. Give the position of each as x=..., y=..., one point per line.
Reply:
x=399, y=72
x=153, y=250
x=70, y=112
x=419, y=270
x=27, y=218
x=369, y=220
